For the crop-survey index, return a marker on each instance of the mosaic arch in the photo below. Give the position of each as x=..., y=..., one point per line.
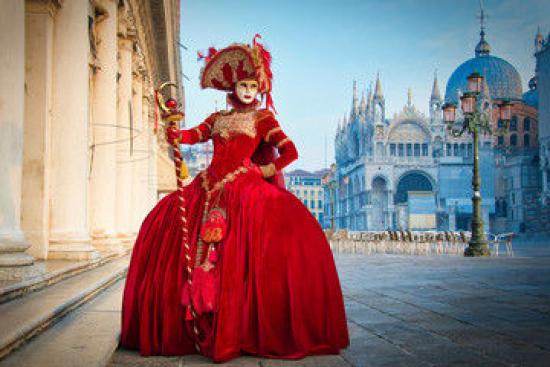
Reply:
x=412, y=181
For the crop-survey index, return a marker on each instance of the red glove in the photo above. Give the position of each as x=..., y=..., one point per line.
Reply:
x=172, y=133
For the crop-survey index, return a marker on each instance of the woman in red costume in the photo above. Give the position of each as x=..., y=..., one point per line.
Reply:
x=251, y=272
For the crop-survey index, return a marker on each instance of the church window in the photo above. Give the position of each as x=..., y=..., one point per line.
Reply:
x=417, y=150
x=425, y=150
x=392, y=149
x=513, y=140
x=401, y=150
x=526, y=124
x=526, y=140
x=514, y=123
x=409, y=149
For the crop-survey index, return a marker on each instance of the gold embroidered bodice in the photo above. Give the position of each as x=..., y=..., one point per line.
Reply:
x=234, y=123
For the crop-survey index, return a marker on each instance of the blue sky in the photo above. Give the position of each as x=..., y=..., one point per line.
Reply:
x=319, y=47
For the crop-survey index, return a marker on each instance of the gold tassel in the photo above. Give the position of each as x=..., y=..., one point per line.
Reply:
x=184, y=172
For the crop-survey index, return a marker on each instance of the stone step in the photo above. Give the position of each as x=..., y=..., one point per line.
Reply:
x=86, y=337
x=46, y=273
x=23, y=318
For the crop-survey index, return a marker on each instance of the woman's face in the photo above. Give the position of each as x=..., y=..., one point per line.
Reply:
x=246, y=90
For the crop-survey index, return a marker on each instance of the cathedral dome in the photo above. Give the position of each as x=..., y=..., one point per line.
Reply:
x=502, y=78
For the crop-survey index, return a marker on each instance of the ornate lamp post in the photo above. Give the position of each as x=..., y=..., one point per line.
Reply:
x=477, y=120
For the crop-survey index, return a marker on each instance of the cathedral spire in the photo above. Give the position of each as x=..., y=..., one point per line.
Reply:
x=378, y=89
x=409, y=97
x=354, y=107
x=436, y=95
x=483, y=48
x=363, y=106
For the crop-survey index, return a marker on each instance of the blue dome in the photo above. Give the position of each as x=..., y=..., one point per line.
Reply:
x=531, y=98
x=502, y=78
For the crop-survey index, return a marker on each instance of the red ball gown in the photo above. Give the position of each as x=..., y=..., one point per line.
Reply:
x=275, y=287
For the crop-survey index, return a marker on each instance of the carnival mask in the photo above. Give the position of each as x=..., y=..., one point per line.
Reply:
x=246, y=90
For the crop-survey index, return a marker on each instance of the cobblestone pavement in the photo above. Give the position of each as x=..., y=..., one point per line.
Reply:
x=430, y=311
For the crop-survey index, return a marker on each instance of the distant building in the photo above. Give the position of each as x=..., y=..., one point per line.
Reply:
x=543, y=85
x=306, y=186
x=197, y=157
x=410, y=172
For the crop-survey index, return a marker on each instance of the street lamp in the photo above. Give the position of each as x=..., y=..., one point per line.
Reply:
x=477, y=119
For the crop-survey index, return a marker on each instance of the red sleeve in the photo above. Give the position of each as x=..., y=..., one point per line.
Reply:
x=198, y=134
x=272, y=134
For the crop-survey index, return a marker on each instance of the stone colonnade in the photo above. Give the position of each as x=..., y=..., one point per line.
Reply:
x=78, y=151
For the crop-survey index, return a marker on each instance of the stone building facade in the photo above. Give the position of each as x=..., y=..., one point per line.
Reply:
x=81, y=162
x=390, y=172
x=543, y=85
x=306, y=186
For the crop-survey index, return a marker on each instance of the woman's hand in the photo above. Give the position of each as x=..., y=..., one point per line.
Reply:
x=268, y=170
x=172, y=134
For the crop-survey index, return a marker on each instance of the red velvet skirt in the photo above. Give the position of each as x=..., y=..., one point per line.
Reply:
x=279, y=294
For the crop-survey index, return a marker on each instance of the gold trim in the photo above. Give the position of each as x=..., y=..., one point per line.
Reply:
x=272, y=131
x=283, y=142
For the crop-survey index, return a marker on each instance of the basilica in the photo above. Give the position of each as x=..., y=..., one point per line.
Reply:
x=409, y=172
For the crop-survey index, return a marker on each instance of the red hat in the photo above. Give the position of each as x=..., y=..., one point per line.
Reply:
x=224, y=68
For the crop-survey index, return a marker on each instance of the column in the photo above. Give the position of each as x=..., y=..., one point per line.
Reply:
x=139, y=153
x=124, y=168
x=104, y=132
x=12, y=93
x=150, y=164
x=35, y=204
x=69, y=236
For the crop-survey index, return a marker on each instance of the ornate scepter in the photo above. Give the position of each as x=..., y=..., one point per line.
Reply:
x=172, y=116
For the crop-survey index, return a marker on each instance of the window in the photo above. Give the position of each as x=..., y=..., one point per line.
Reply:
x=417, y=150
x=425, y=150
x=448, y=149
x=392, y=149
x=401, y=150
x=500, y=140
x=526, y=124
x=470, y=147
x=321, y=217
x=514, y=123
x=305, y=202
x=526, y=140
x=305, y=193
x=311, y=193
x=455, y=149
x=312, y=204
x=409, y=149
x=513, y=140
x=320, y=204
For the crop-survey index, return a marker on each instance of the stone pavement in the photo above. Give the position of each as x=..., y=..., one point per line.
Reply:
x=430, y=311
